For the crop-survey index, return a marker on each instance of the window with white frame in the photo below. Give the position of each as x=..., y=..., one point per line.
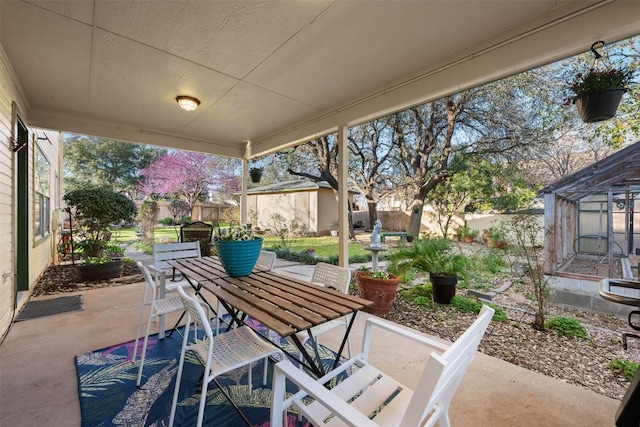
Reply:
x=41, y=196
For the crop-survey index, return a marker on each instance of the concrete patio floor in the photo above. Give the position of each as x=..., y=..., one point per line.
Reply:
x=38, y=384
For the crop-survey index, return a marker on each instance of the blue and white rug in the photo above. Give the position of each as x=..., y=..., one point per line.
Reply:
x=109, y=397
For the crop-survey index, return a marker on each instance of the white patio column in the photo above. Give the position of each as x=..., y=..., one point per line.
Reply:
x=243, y=195
x=343, y=197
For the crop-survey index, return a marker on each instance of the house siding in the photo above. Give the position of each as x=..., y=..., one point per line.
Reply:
x=315, y=210
x=42, y=250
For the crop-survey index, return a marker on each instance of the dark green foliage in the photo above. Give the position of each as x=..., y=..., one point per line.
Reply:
x=95, y=209
x=469, y=305
x=430, y=255
x=307, y=258
x=419, y=295
x=626, y=368
x=166, y=221
x=92, y=161
x=567, y=326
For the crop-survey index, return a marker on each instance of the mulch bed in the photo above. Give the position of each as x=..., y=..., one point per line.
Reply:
x=65, y=278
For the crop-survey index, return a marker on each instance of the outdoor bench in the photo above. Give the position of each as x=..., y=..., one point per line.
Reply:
x=401, y=234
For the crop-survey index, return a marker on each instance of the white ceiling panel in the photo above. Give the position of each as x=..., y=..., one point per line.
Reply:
x=52, y=46
x=248, y=110
x=134, y=83
x=231, y=37
x=274, y=72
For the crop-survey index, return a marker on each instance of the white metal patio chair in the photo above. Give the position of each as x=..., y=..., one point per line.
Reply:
x=335, y=277
x=266, y=260
x=163, y=252
x=369, y=397
x=223, y=353
x=157, y=307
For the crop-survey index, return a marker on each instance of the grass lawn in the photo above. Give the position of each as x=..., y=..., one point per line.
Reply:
x=324, y=246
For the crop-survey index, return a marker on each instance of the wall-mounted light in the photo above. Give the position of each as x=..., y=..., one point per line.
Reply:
x=187, y=103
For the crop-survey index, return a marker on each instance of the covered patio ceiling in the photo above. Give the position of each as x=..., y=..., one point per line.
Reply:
x=271, y=74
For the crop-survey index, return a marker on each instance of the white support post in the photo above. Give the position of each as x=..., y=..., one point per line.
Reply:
x=244, y=176
x=343, y=196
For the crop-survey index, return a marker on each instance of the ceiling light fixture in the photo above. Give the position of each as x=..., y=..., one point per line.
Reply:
x=187, y=103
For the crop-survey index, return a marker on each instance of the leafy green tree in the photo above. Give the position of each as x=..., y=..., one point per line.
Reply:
x=96, y=208
x=91, y=161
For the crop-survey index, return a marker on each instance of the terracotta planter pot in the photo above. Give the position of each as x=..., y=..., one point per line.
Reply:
x=381, y=291
x=598, y=106
x=468, y=239
x=444, y=288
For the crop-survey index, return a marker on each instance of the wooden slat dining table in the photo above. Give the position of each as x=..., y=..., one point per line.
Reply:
x=283, y=304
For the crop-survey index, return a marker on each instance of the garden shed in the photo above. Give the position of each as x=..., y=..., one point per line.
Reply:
x=591, y=214
x=311, y=205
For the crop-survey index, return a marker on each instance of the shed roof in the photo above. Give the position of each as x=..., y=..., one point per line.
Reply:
x=619, y=172
x=290, y=186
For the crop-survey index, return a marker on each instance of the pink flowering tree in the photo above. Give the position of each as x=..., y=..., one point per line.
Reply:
x=190, y=176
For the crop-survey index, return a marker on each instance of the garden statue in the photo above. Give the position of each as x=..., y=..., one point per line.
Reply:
x=375, y=236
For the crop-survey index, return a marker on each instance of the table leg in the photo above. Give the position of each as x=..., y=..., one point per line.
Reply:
x=310, y=363
x=344, y=340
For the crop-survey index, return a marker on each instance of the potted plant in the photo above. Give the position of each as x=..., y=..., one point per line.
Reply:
x=433, y=256
x=598, y=92
x=96, y=209
x=106, y=266
x=378, y=286
x=497, y=236
x=467, y=234
x=255, y=174
x=238, y=249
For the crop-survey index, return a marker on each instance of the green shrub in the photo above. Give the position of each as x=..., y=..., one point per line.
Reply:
x=420, y=295
x=471, y=305
x=625, y=368
x=166, y=221
x=567, y=326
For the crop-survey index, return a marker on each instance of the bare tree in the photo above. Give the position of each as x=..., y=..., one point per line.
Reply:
x=321, y=164
x=372, y=163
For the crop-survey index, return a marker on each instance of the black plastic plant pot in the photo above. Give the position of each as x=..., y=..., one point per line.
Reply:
x=599, y=106
x=444, y=288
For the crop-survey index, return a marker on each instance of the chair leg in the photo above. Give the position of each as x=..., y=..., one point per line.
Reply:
x=203, y=395
x=176, y=390
x=264, y=371
x=144, y=348
x=135, y=346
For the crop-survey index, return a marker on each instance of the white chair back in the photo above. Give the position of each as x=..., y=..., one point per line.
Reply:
x=266, y=260
x=367, y=390
x=332, y=276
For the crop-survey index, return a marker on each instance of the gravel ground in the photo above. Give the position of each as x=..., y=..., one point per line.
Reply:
x=583, y=362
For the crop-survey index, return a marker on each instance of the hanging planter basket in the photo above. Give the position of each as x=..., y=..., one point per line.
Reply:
x=255, y=174
x=599, y=106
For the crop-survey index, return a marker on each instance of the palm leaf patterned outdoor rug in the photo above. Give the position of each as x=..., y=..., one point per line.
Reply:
x=109, y=397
